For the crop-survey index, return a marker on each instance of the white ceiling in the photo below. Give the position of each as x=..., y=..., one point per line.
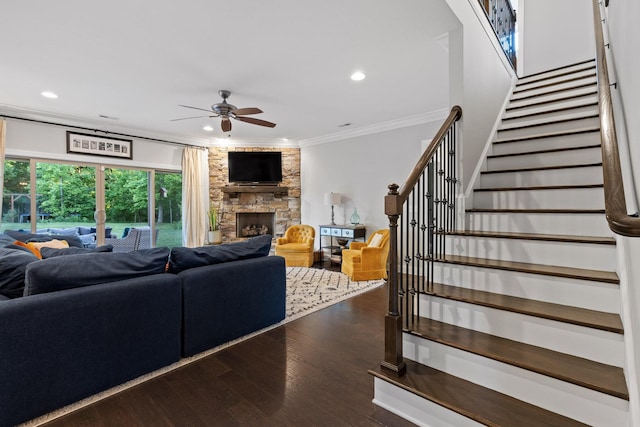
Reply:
x=137, y=60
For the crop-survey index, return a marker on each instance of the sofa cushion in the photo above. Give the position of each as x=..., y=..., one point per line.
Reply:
x=74, y=271
x=5, y=240
x=84, y=230
x=13, y=263
x=24, y=236
x=185, y=258
x=51, y=252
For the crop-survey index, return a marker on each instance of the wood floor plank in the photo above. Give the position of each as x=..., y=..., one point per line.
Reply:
x=576, y=370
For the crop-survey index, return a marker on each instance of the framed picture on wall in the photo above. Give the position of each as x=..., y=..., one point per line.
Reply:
x=83, y=143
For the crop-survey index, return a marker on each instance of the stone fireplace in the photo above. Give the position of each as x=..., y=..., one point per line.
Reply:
x=281, y=202
x=250, y=224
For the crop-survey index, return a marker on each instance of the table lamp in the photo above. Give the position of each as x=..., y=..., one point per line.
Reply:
x=332, y=199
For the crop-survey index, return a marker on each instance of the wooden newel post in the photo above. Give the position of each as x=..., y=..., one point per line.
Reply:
x=393, y=359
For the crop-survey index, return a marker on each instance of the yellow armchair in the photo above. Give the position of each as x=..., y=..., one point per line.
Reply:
x=367, y=260
x=296, y=247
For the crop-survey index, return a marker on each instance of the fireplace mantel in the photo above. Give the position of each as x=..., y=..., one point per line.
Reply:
x=233, y=190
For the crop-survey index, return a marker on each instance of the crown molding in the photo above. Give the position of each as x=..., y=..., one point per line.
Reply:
x=97, y=125
x=413, y=120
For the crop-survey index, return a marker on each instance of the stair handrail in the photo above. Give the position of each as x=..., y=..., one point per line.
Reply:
x=394, y=201
x=620, y=222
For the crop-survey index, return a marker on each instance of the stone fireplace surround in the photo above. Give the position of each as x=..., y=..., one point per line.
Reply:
x=285, y=206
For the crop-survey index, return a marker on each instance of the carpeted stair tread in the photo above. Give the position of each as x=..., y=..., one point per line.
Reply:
x=525, y=267
x=535, y=236
x=576, y=370
x=478, y=403
x=575, y=315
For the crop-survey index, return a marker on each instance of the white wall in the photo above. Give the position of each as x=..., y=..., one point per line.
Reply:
x=480, y=79
x=554, y=33
x=360, y=169
x=31, y=139
x=624, y=35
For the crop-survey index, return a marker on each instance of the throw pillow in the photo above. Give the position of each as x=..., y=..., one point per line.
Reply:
x=6, y=240
x=30, y=247
x=375, y=240
x=51, y=252
x=185, y=258
x=74, y=271
x=12, y=268
x=55, y=243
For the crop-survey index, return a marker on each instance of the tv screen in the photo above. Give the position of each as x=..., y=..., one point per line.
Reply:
x=255, y=167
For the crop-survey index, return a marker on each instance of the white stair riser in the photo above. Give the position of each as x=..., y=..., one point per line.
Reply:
x=547, y=143
x=575, y=198
x=558, y=290
x=535, y=84
x=555, y=158
x=601, y=346
x=575, y=255
x=543, y=223
x=552, y=96
x=419, y=411
x=556, y=87
x=577, y=102
x=550, y=127
x=524, y=119
x=546, y=177
x=570, y=400
x=557, y=74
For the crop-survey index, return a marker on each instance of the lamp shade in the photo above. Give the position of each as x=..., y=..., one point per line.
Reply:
x=332, y=199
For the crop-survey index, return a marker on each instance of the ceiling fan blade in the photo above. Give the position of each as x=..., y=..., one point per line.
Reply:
x=226, y=124
x=196, y=108
x=256, y=121
x=187, y=118
x=246, y=111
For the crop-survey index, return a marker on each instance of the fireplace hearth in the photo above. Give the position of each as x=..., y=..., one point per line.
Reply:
x=250, y=224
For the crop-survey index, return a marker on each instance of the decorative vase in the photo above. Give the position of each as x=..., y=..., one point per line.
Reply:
x=355, y=218
x=214, y=237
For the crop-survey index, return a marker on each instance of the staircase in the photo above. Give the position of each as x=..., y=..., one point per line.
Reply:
x=523, y=325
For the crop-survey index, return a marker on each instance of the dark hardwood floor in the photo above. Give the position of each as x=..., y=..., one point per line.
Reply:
x=309, y=372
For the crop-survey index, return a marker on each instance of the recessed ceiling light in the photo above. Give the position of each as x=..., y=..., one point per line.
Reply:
x=208, y=128
x=48, y=94
x=357, y=76
x=284, y=139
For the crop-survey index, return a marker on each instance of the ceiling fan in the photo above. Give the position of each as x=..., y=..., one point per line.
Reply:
x=227, y=111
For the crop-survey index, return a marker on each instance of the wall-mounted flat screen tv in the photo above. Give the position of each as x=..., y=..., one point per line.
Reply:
x=255, y=167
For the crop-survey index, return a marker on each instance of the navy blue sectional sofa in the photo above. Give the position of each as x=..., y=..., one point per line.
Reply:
x=77, y=332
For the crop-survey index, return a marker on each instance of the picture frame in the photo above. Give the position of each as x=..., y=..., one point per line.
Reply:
x=95, y=145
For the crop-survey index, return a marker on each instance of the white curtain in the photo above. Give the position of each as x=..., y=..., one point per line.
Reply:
x=195, y=196
x=3, y=137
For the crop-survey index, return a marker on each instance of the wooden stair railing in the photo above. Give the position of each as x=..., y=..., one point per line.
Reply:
x=431, y=189
x=620, y=222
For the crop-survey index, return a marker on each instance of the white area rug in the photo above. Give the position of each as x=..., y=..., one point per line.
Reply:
x=308, y=290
